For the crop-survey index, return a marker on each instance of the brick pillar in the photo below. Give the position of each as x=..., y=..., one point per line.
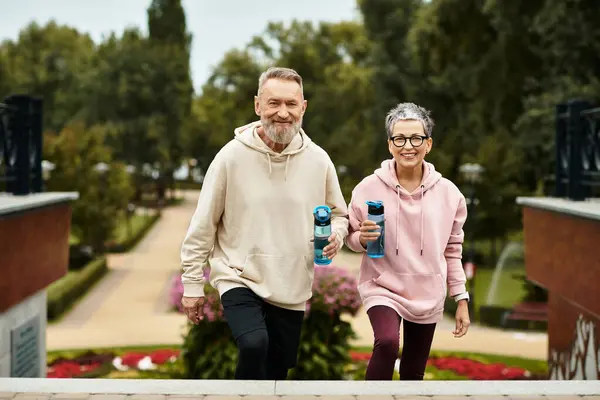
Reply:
x=562, y=254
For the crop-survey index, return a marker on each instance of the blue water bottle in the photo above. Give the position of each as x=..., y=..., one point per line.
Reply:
x=322, y=232
x=375, y=214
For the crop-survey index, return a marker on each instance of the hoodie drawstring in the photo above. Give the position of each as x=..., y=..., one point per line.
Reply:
x=287, y=161
x=398, y=217
x=422, y=212
x=269, y=158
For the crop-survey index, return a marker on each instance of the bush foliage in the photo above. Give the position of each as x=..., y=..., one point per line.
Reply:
x=210, y=352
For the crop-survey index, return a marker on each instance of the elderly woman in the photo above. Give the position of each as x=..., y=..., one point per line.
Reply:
x=422, y=238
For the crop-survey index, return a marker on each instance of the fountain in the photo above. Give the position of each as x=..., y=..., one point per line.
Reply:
x=508, y=250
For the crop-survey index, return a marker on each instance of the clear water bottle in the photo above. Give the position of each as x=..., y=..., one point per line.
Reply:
x=376, y=214
x=322, y=232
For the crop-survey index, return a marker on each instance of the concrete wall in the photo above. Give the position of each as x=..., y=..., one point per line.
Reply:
x=34, y=252
x=32, y=307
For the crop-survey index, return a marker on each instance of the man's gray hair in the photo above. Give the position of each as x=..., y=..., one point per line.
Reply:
x=409, y=111
x=286, y=74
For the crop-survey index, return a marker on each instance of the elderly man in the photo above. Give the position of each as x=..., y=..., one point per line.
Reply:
x=253, y=225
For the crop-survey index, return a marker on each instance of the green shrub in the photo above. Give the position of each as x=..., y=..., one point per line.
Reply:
x=493, y=316
x=63, y=293
x=209, y=350
x=77, y=151
x=188, y=185
x=139, y=231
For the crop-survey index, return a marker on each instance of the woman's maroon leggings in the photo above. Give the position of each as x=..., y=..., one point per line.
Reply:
x=415, y=348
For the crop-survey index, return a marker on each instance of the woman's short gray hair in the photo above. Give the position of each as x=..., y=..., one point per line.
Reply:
x=409, y=111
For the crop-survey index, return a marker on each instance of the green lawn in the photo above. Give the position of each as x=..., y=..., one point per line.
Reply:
x=121, y=231
x=509, y=291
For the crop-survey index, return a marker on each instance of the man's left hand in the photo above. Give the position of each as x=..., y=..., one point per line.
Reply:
x=331, y=249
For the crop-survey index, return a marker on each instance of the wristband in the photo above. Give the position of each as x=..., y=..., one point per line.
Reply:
x=462, y=296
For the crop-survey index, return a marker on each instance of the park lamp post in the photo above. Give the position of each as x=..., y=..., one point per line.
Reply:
x=130, y=169
x=101, y=167
x=472, y=174
x=47, y=168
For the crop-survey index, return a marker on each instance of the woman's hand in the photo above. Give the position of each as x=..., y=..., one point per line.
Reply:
x=462, y=319
x=369, y=232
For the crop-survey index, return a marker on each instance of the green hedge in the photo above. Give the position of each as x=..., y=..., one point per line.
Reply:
x=136, y=236
x=188, y=185
x=63, y=293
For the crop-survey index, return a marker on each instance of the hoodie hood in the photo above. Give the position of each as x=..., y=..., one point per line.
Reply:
x=248, y=136
x=387, y=174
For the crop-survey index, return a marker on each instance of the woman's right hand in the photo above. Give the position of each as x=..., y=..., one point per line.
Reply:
x=369, y=232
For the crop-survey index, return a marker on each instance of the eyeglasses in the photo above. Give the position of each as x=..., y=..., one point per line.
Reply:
x=415, y=141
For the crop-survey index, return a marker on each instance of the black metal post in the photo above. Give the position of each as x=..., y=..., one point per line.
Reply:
x=560, y=189
x=576, y=131
x=24, y=159
x=19, y=127
x=37, y=115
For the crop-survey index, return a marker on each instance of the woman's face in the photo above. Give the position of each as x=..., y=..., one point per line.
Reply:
x=409, y=144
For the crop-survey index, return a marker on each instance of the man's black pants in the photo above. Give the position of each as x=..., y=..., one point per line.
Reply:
x=267, y=337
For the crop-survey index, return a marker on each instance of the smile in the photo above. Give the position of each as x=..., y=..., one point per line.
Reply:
x=408, y=155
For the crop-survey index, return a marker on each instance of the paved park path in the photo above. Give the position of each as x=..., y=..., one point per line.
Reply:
x=129, y=306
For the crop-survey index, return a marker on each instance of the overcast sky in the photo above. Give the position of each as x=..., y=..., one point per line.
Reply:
x=216, y=25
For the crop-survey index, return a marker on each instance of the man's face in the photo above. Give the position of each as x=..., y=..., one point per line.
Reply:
x=280, y=107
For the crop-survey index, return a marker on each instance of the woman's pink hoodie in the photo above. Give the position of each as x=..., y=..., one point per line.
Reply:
x=423, y=243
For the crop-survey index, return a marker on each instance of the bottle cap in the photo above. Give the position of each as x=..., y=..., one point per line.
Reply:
x=375, y=207
x=322, y=214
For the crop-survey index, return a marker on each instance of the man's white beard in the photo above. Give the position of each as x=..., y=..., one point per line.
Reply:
x=281, y=135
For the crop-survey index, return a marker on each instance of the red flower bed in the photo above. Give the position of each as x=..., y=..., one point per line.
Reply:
x=476, y=370
x=86, y=363
x=162, y=356
x=70, y=369
x=360, y=356
x=157, y=357
x=89, y=363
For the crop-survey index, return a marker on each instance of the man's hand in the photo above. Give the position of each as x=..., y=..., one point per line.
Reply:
x=462, y=319
x=331, y=249
x=192, y=307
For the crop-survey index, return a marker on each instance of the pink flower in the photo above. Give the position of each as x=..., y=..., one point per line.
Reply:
x=334, y=292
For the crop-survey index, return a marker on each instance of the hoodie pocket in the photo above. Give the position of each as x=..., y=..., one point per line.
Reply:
x=281, y=279
x=420, y=294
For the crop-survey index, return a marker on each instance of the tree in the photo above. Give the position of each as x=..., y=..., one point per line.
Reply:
x=332, y=59
x=48, y=61
x=227, y=101
x=103, y=196
x=171, y=84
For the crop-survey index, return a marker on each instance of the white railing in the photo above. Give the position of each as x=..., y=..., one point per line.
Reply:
x=297, y=388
